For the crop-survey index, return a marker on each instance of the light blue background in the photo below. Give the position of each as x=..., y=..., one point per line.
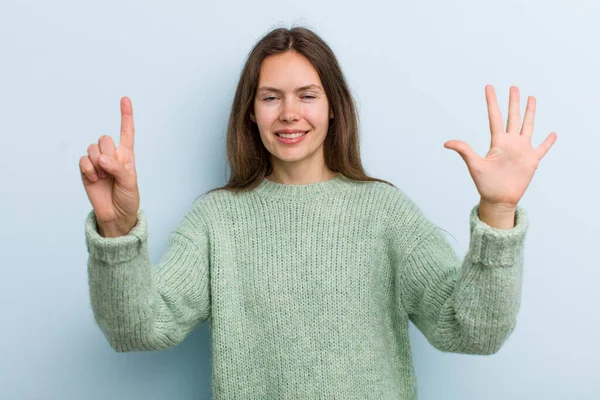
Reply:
x=418, y=71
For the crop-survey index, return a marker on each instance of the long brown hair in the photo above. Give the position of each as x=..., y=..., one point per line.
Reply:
x=247, y=156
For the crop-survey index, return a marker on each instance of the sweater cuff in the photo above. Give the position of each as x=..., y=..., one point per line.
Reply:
x=118, y=249
x=497, y=247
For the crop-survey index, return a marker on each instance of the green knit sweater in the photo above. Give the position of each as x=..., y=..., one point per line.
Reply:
x=309, y=289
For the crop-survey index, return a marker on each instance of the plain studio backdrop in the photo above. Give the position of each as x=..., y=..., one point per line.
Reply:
x=417, y=71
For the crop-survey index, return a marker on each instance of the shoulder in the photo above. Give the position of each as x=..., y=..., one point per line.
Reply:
x=221, y=206
x=202, y=216
x=405, y=219
x=209, y=203
x=393, y=199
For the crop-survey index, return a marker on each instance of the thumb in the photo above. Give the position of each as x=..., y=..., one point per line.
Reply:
x=122, y=172
x=463, y=149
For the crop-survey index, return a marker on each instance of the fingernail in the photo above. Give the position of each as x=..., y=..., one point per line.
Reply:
x=94, y=177
x=103, y=159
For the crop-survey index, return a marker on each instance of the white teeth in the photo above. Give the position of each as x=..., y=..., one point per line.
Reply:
x=290, y=135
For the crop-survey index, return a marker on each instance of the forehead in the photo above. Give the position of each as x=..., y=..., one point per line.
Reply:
x=287, y=70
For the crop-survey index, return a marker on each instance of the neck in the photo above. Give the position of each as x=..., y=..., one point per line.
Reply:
x=304, y=192
x=300, y=176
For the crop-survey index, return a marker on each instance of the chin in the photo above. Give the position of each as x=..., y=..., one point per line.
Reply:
x=290, y=159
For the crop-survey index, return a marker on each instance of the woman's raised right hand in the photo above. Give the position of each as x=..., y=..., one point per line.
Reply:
x=110, y=179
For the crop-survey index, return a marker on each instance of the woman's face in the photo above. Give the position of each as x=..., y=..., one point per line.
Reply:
x=290, y=98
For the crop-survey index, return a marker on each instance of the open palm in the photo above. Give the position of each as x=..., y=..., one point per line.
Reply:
x=503, y=175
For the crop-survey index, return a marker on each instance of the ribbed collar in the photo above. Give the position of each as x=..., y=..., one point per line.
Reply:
x=282, y=191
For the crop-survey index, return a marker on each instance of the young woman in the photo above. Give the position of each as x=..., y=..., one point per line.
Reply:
x=307, y=269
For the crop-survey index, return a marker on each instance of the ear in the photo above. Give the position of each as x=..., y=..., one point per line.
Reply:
x=252, y=117
x=330, y=114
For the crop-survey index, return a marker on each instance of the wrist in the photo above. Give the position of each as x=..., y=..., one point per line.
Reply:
x=497, y=208
x=497, y=215
x=116, y=229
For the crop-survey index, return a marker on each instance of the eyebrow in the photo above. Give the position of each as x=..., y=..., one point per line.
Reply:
x=272, y=89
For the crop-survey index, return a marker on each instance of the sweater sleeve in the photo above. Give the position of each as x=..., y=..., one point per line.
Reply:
x=140, y=307
x=467, y=306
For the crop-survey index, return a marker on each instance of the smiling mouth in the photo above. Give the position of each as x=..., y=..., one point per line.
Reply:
x=291, y=135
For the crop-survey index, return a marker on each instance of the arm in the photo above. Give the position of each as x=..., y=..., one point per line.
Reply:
x=467, y=306
x=138, y=309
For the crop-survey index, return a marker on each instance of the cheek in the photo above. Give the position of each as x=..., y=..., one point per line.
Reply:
x=265, y=122
x=266, y=117
x=319, y=119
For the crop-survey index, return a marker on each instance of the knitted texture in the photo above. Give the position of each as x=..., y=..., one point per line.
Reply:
x=309, y=289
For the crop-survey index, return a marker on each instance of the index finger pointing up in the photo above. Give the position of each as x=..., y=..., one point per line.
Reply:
x=127, y=129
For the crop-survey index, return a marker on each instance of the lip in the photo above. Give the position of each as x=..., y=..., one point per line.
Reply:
x=291, y=141
x=291, y=130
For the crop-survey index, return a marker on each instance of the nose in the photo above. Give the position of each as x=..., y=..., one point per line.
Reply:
x=289, y=111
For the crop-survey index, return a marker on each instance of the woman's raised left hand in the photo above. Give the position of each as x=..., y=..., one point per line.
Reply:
x=503, y=175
